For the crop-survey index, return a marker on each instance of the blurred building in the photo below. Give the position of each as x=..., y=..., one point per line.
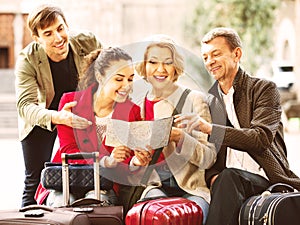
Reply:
x=122, y=22
x=287, y=36
x=115, y=22
x=287, y=43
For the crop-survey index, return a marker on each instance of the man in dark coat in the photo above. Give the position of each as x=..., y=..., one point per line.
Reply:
x=246, y=129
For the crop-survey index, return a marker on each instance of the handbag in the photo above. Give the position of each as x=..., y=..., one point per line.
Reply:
x=81, y=178
x=132, y=194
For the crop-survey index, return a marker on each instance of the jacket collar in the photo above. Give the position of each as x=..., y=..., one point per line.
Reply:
x=86, y=138
x=85, y=101
x=165, y=107
x=237, y=84
x=78, y=54
x=44, y=67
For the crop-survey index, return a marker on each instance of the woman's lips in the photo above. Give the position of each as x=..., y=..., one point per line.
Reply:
x=122, y=93
x=160, y=78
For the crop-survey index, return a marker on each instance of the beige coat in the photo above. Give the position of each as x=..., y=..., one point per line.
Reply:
x=196, y=154
x=34, y=86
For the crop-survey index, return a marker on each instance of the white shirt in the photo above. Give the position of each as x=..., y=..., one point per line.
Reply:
x=235, y=158
x=101, y=124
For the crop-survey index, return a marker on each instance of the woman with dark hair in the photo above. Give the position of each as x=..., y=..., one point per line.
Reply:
x=103, y=94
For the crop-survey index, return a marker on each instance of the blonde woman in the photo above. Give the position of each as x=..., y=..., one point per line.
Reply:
x=180, y=168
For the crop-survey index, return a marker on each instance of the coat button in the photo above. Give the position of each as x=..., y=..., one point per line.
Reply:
x=85, y=140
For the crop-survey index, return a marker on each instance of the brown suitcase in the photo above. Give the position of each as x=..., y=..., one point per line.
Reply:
x=99, y=215
x=42, y=215
x=93, y=208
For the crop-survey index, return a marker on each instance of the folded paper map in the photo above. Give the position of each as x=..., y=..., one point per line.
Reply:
x=139, y=134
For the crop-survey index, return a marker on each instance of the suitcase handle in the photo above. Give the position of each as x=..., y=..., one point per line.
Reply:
x=90, y=201
x=80, y=155
x=65, y=173
x=281, y=187
x=35, y=207
x=86, y=201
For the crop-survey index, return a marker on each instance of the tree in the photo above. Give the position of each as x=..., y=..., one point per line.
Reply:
x=252, y=19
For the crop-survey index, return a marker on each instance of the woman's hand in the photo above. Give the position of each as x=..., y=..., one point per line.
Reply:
x=176, y=135
x=193, y=122
x=142, y=156
x=121, y=153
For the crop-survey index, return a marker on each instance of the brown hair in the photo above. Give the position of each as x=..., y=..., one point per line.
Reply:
x=43, y=16
x=231, y=36
x=98, y=61
x=162, y=41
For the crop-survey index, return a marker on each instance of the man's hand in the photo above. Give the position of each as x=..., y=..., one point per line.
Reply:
x=66, y=117
x=212, y=181
x=193, y=122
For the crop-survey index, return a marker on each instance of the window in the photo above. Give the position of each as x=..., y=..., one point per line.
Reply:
x=4, y=58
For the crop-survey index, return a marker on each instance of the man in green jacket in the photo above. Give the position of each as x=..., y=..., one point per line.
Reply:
x=45, y=69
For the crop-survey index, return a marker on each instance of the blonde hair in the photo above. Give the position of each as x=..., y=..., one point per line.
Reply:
x=162, y=41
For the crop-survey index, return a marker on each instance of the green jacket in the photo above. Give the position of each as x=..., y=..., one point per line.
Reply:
x=34, y=86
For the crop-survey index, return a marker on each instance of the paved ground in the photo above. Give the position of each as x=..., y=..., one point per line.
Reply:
x=12, y=167
x=11, y=173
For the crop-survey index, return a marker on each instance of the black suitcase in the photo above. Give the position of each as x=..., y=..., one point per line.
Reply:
x=93, y=208
x=42, y=215
x=272, y=207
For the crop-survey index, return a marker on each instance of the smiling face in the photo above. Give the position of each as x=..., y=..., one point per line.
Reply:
x=160, y=69
x=54, y=39
x=221, y=62
x=119, y=84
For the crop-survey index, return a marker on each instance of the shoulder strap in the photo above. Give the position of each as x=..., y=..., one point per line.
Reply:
x=181, y=101
x=157, y=152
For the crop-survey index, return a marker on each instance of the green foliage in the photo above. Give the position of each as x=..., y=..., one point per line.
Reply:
x=252, y=19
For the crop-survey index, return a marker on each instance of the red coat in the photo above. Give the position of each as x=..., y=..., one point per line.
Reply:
x=86, y=140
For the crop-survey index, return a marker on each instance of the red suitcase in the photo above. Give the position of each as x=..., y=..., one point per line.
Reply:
x=38, y=214
x=174, y=210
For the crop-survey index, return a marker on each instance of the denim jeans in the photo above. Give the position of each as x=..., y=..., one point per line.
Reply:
x=229, y=191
